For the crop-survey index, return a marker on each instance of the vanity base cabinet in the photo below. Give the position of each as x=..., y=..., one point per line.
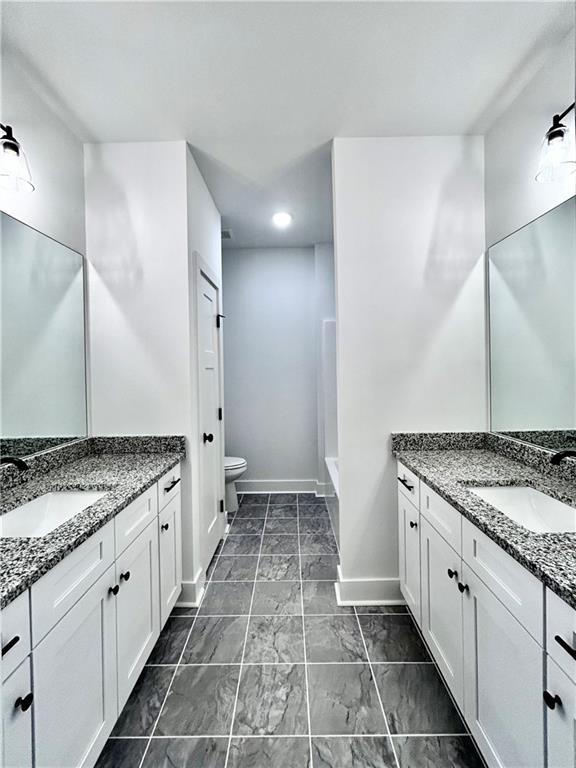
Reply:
x=17, y=718
x=75, y=688
x=442, y=607
x=137, y=608
x=409, y=533
x=170, y=546
x=561, y=719
x=503, y=673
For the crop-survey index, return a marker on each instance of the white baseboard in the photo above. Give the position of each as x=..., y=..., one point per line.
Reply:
x=368, y=591
x=192, y=592
x=322, y=489
x=276, y=486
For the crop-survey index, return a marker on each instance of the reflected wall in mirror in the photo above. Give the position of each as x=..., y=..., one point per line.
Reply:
x=532, y=283
x=43, y=377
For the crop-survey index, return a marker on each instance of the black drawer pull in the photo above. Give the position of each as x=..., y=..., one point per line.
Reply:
x=24, y=703
x=406, y=484
x=413, y=524
x=164, y=526
x=113, y=590
x=463, y=587
x=563, y=644
x=125, y=576
x=452, y=574
x=552, y=700
x=10, y=644
x=173, y=484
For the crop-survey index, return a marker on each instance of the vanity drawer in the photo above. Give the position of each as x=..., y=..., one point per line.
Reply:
x=130, y=523
x=515, y=587
x=443, y=517
x=15, y=635
x=561, y=624
x=409, y=485
x=58, y=590
x=169, y=486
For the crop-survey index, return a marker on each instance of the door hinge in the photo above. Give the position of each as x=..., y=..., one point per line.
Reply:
x=221, y=505
x=220, y=414
x=218, y=320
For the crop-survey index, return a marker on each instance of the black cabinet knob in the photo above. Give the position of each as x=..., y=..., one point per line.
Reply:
x=413, y=524
x=165, y=526
x=552, y=700
x=10, y=644
x=452, y=574
x=125, y=576
x=114, y=590
x=24, y=703
x=207, y=438
x=463, y=587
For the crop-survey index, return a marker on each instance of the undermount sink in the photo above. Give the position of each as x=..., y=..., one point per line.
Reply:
x=41, y=515
x=531, y=508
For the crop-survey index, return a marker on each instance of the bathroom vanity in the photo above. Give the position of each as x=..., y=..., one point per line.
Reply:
x=84, y=603
x=495, y=599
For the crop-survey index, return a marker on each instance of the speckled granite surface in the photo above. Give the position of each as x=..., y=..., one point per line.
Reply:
x=550, y=557
x=124, y=475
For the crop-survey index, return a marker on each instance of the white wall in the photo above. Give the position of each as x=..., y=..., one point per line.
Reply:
x=270, y=364
x=409, y=240
x=512, y=146
x=56, y=207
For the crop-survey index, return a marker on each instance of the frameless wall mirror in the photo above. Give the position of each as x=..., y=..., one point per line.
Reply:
x=43, y=377
x=532, y=289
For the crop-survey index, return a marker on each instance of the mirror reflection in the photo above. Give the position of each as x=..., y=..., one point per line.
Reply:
x=43, y=378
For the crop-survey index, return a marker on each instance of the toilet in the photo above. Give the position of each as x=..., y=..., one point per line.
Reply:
x=234, y=468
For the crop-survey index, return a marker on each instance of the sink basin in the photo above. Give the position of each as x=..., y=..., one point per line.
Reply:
x=531, y=508
x=45, y=513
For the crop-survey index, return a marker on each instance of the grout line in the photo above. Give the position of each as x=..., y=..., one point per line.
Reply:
x=296, y=736
x=306, y=681
x=288, y=663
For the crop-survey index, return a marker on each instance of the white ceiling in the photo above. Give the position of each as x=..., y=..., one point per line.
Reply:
x=259, y=89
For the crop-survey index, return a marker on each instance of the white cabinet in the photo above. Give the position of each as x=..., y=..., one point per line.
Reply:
x=442, y=606
x=561, y=633
x=408, y=527
x=17, y=707
x=170, y=548
x=503, y=673
x=137, y=608
x=15, y=633
x=560, y=699
x=75, y=702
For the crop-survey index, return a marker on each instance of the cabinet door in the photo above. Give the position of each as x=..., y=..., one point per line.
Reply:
x=170, y=557
x=561, y=720
x=17, y=718
x=408, y=521
x=442, y=606
x=75, y=703
x=137, y=608
x=503, y=668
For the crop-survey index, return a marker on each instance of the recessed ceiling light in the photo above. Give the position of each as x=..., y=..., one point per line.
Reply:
x=282, y=219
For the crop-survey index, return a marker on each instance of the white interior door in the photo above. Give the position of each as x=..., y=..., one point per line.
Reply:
x=211, y=439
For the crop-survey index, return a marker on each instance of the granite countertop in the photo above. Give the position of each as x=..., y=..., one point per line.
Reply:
x=123, y=475
x=551, y=557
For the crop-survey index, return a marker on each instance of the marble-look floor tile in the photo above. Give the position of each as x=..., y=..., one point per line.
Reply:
x=281, y=525
x=235, y=568
x=318, y=544
x=272, y=700
x=247, y=525
x=269, y=753
x=313, y=510
x=315, y=525
x=171, y=641
x=242, y=545
x=309, y=497
x=343, y=700
x=142, y=708
x=283, y=498
x=275, y=639
x=380, y=609
x=437, y=752
x=216, y=640
x=319, y=567
x=200, y=702
x=252, y=511
x=276, y=598
x=334, y=639
x=320, y=598
x=186, y=753
x=415, y=699
x=226, y=599
x=392, y=638
x=283, y=511
x=249, y=499
x=122, y=753
x=280, y=545
x=279, y=568
x=353, y=752
x=183, y=611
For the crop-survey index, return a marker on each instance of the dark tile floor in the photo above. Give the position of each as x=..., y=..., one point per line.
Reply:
x=271, y=673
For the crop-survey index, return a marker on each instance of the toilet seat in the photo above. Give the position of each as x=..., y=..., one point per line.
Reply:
x=234, y=462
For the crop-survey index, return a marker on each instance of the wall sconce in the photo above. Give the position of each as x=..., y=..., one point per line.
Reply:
x=558, y=153
x=15, y=173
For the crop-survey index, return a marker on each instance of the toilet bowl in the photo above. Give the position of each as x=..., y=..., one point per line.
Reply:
x=234, y=468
